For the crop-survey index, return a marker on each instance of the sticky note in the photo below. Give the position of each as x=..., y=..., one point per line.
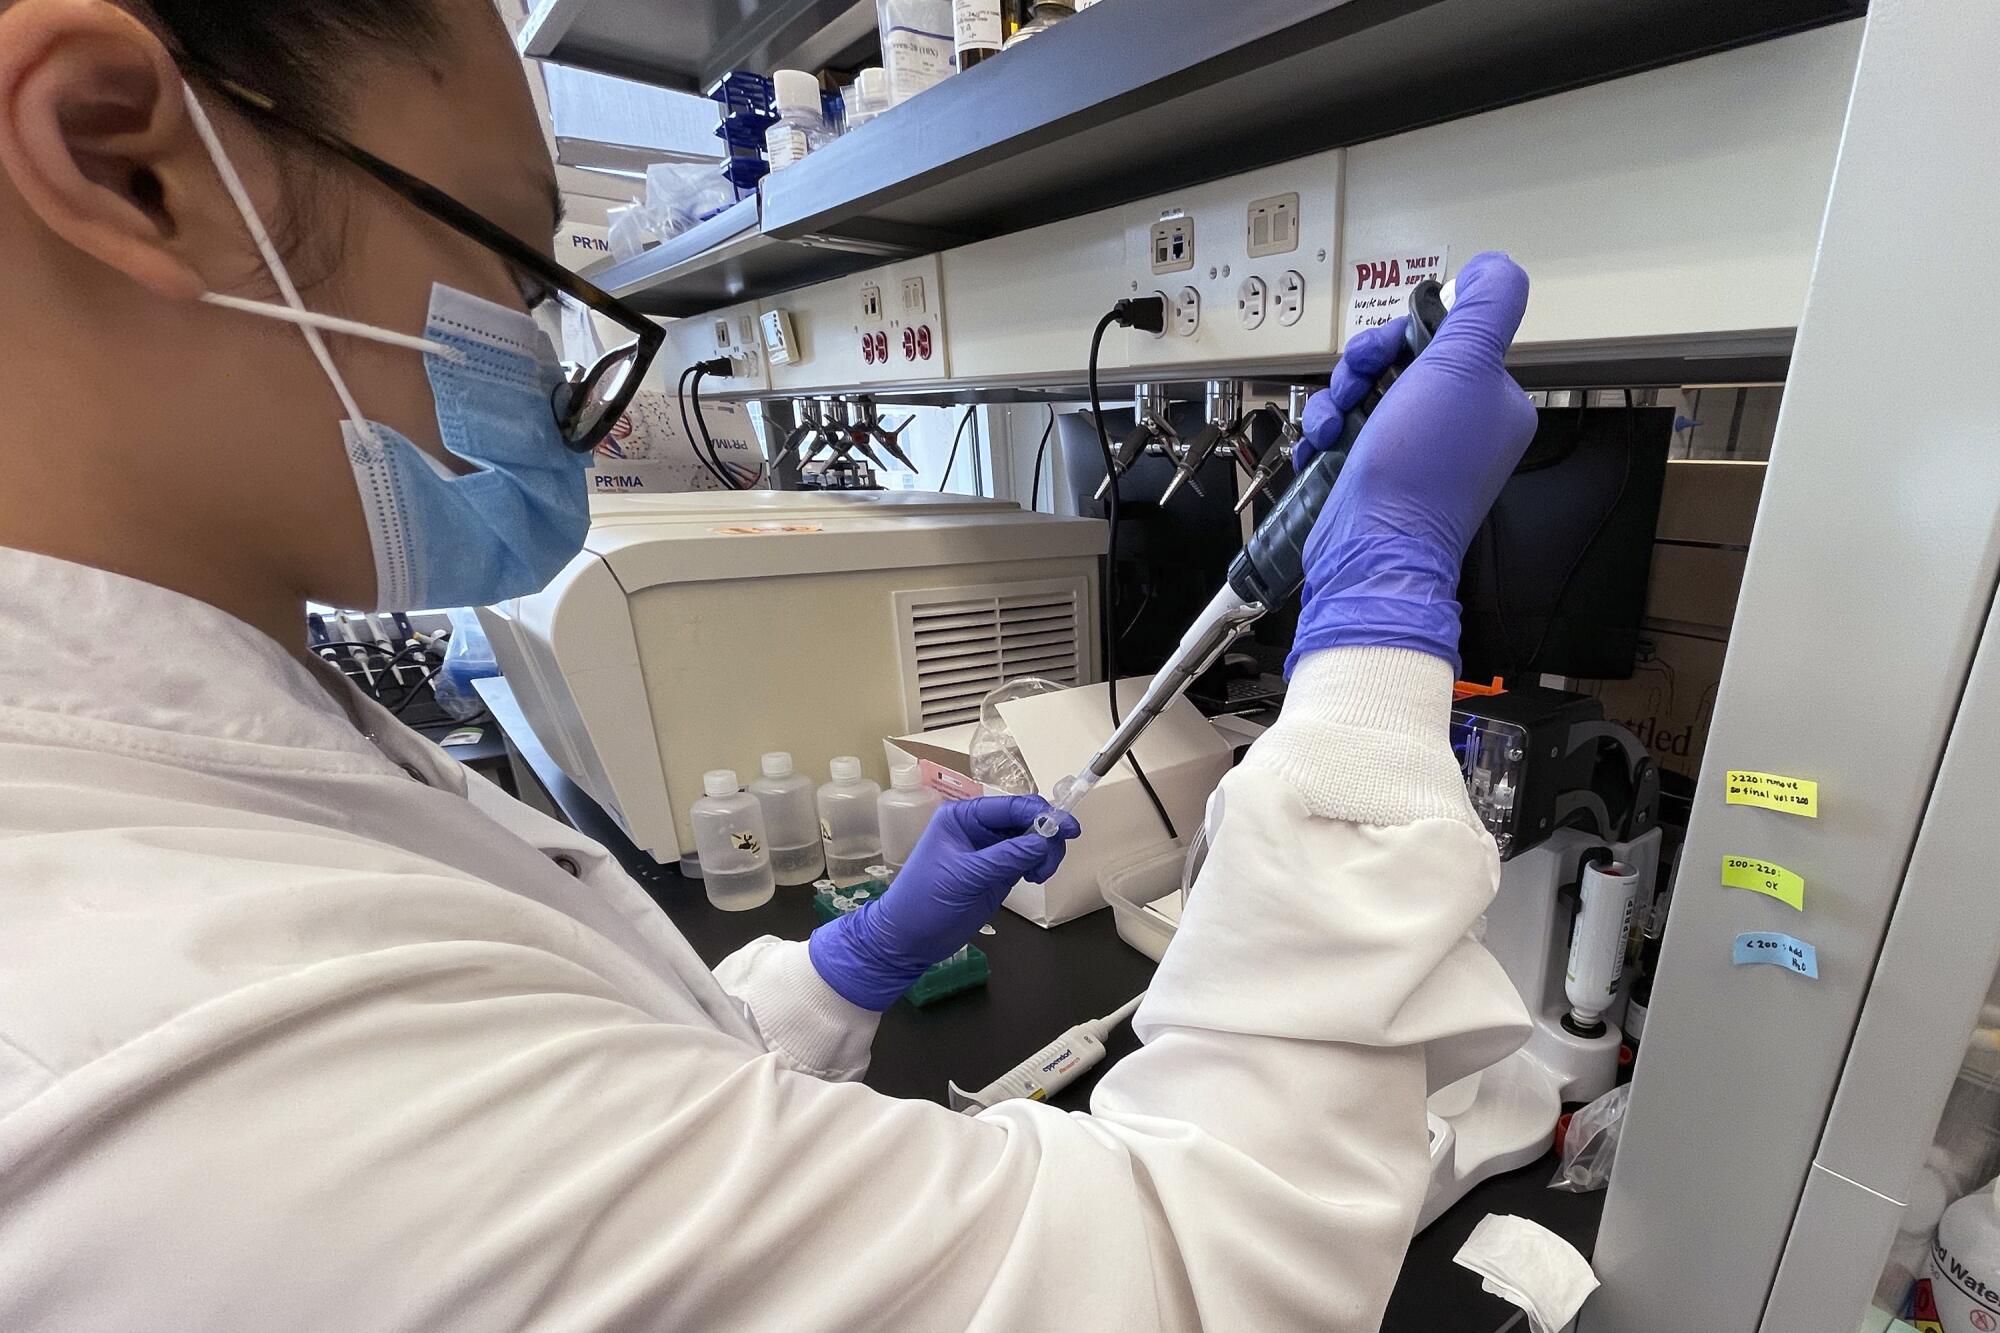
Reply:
x=1777, y=949
x=1748, y=872
x=1774, y=791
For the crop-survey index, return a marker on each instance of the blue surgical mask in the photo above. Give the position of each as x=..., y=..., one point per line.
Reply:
x=442, y=539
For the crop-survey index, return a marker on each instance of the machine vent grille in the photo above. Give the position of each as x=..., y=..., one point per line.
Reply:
x=959, y=643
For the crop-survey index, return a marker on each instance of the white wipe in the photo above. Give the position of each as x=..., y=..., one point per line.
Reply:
x=1530, y=1266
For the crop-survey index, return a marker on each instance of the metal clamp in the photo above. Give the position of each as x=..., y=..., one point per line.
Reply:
x=1291, y=431
x=1152, y=432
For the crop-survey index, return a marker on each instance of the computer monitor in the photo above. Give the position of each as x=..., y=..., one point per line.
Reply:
x=1555, y=580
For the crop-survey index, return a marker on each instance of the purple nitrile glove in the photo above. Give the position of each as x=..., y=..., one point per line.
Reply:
x=1382, y=561
x=972, y=854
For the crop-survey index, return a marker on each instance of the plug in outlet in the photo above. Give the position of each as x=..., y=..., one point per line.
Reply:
x=913, y=295
x=1173, y=243
x=1186, y=312
x=1291, y=297
x=871, y=304
x=1253, y=301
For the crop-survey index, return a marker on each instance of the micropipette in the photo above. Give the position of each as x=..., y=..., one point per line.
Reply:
x=1270, y=569
x=1051, y=1069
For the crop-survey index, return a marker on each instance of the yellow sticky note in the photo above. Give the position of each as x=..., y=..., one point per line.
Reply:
x=1774, y=791
x=1748, y=872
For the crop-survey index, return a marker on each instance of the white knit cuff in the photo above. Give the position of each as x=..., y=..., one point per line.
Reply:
x=1365, y=737
x=798, y=1013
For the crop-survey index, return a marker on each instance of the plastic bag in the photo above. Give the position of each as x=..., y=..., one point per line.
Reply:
x=630, y=232
x=996, y=759
x=680, y=194
x=1592, y=1144
x=468, y=657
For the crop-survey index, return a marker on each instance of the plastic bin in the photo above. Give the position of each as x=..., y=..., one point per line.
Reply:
x=1130, y=885
x=743, y=94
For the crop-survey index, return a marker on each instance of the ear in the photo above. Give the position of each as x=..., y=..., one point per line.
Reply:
x=95, y=136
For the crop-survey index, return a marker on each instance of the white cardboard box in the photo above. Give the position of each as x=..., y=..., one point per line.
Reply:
x=1182, y=754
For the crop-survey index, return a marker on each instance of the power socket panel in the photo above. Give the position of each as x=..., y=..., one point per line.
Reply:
x=1253, y=302
x=1185, y=318
x=1291, y=301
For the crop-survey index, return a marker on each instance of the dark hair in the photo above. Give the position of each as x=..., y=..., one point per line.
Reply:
x=293, y=50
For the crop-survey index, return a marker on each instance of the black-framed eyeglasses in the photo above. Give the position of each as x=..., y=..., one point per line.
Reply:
x=591, y=399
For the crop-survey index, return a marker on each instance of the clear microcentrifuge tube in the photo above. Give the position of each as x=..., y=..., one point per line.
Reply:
x=1068, y=792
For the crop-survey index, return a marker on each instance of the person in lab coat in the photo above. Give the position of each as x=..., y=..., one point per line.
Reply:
x=299, y=1029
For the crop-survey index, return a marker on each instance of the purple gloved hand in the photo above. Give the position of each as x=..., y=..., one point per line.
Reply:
x=972, y=854
x=1382, y=562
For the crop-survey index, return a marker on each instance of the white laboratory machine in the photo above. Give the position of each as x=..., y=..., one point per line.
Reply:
x=1573, y=803
x=700, y=631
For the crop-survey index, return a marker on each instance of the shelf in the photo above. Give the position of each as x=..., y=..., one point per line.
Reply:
x=722, y=261
x=1136, y=97
x=688, y=44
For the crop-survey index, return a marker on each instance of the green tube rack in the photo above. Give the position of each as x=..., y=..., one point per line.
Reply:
x=959, y=973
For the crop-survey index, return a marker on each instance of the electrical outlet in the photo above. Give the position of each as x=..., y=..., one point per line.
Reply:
x=1187, y=312
x=871, y=304
x=1253, y=301
x=746, y=333
x=1173, y=243
x=1273, y=225
x=1291, y=297
x=721, y=335
x=913, y=295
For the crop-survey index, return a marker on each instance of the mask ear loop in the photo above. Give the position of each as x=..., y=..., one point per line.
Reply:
x=241, y=197
x=334, y=324
x=294, y=310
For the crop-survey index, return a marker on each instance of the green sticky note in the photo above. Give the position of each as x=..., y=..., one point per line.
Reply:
x=1760, y=876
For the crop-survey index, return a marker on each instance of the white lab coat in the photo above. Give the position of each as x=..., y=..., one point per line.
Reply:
x=300, y=1031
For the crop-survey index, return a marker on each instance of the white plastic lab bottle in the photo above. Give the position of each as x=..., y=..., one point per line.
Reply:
x=801, y=125
x=797, y=855
x=1964, y=1263
x=848, y=822
x=730, y=839
x=905, y=810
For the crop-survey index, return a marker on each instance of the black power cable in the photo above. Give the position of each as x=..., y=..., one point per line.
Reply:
x=1149, y=314
x=687, y=429
x=1041, y=451
x=716, y=367
x=952, y=461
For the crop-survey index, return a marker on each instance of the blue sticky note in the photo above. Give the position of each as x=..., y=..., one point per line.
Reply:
x=1779, y=950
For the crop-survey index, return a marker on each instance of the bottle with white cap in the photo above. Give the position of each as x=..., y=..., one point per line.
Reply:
x=801, y=127
x=905, y=811
x=730, y=838
x=797, y=856
x=867, y=97
x=848, y=822
x=1964, y=1264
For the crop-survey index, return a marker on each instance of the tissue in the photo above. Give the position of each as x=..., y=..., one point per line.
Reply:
x=1530, y=1266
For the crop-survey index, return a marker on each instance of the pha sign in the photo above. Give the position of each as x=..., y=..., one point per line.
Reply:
x=1382, y=285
